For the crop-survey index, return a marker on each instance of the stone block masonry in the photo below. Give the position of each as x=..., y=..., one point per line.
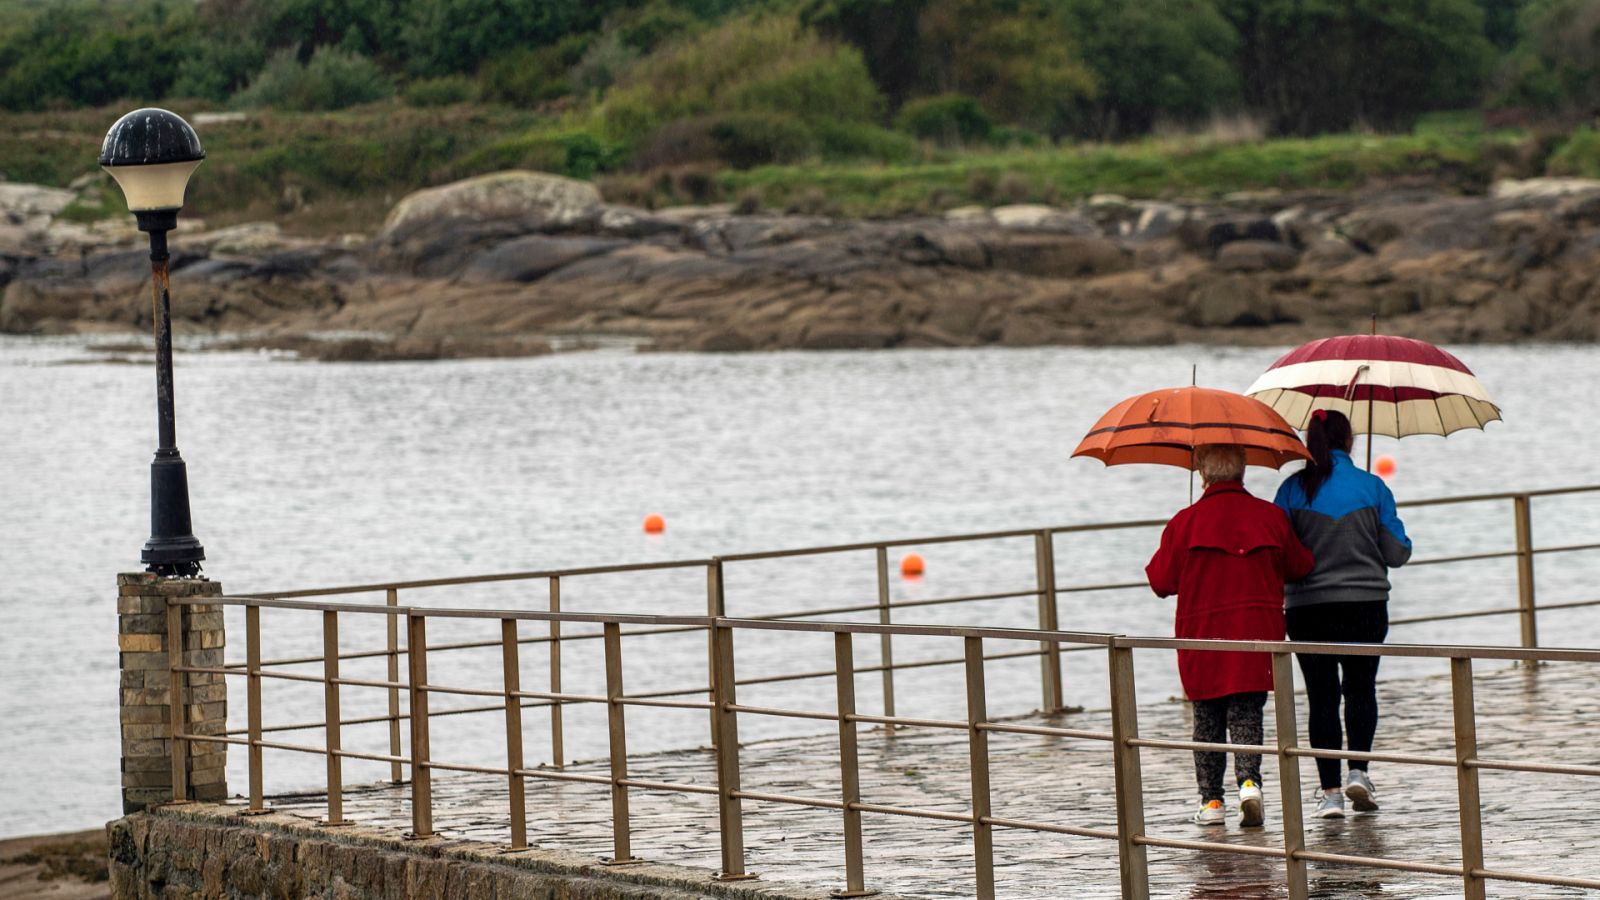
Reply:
x=205, y=850
x=145, y=689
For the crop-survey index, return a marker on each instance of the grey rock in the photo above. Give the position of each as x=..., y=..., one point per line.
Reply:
x=533, y=257
x=1256, y=256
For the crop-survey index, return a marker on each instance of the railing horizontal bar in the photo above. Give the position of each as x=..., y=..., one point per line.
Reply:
x=1424, y=651
x=1378, y=863
x=1503, y=765
x=399, y=717
x=552, y=775
x=964, y=818
x=1116, y=586
x=1552, y=880
x=1045, y=826
x=1569, y=548
x=785, y=798
x=1046, y=731
x=873, y=545
x=293, y=748
x=1201, y=746
x=1576, y=604
x=905, y=604
x=463, y=767
x=784, y=713
x=459, y=691
x=1107, y=526
x=547, y=695
x=664, y=704
x=485, y=579
x=367, y=682
x=1001, y=634
x=1401, y=758
x=1207, y=846
x=1445, y=617
x=667, y=786
x=375, y=757
x=902, y=720
x=292, y=676
x=1465, y=557
x=1551, y=492
x=214, y=739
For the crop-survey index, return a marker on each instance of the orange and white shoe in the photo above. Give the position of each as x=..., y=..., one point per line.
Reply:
x=1210, y=813
x=1250, y=807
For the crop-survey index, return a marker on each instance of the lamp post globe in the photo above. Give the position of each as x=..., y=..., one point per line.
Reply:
x=151, y=153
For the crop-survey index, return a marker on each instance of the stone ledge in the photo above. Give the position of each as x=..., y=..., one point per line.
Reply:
x=210, y=850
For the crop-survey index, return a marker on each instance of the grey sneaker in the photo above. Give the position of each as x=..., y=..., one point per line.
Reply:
x=1363, y=796
x=1250, y=805
x=1330, y=806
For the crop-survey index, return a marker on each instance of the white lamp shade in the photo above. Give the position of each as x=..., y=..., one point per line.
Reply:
x=150, y=187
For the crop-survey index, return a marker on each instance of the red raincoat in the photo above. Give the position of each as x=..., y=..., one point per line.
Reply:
x=1227, y=557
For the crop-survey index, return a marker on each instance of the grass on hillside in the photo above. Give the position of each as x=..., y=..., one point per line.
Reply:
x=322, y=173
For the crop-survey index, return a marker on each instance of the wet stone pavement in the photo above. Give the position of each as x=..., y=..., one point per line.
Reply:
x=1539, y=824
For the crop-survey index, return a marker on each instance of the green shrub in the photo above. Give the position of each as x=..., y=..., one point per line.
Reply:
x=750, y=63
x=521, y=78
x=331, y=79
x=746, y=140
x=444, y=91
x=575, y=153
x=1017, y=138
x=947, y=119
x=1580, y=155
x=678, y=143
x=861, y=141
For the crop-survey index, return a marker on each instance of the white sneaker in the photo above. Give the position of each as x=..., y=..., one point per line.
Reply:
x=1363, y=796
x=1330, y=806
x=1250, y=813
x=1210, y=813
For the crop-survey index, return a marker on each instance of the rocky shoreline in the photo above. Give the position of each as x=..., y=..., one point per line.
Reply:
x=521, y=263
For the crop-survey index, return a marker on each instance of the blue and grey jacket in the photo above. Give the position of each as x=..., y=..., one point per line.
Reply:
x=1352, y=530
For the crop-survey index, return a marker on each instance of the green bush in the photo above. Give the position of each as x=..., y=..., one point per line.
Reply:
x=861, y=141
x=750, y=63
x=445, y=91
x=947, y=119
x=1579, y=156
x=575, y=153
x=331, y=79
x=746, y=140
x=522, y=78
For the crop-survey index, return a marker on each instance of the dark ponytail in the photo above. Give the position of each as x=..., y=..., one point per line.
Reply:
x=1328, y=430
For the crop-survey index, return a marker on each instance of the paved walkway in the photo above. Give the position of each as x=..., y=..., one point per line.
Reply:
x=1532, y=823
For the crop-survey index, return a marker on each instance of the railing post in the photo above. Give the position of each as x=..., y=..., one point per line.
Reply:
x=1134, y=868
x=885, y=640
x=1044, y=554
x=844, y=668
x=1294, y=829
x=392, y=600
x=1472, y=886
x=252, y=697
x=512, y=668
x=1528, y=606
x=730, y=813
x=177, y=704
x=557, y=756
x=330, y=716
x=621, y=842
x=716, y=606
x=978, y=768
x=421, y=775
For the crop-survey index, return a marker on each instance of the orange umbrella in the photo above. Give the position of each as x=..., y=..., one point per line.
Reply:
x=1166, y=426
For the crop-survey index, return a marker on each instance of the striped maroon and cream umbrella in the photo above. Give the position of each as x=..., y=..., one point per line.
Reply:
x=1387, y=385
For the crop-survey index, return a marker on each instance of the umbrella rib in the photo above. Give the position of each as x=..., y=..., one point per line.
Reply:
x=1139, y=426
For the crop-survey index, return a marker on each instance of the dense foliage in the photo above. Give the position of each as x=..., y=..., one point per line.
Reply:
x=676, y=89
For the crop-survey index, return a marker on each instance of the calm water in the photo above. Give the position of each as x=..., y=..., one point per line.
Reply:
x=310, y=474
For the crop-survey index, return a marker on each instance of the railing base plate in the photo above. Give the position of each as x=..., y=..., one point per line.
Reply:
x=630, y=861
x=849, y=893
x=736, y=876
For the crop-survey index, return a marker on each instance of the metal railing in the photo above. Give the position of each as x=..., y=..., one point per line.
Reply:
x=723, y=680
x=1125, y=743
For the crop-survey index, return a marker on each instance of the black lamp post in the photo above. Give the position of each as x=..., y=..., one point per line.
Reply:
x=151, y=153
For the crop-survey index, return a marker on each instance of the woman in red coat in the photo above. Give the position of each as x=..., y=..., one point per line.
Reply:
x=1227, y=557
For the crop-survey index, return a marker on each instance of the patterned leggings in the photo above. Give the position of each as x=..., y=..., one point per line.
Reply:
x=1236, y=717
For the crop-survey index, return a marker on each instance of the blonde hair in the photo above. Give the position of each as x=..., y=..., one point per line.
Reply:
x=1219, y=462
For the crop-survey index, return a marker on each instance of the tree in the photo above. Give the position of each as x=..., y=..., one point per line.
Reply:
x=1155, y=59
x=1326, y=65
x=885, y=31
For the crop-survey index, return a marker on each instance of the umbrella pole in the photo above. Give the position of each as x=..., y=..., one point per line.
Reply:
x=1194, y=374
x=1370, y=428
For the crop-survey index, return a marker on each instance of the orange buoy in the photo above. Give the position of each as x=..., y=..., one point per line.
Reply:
x=654, y=524
x=911, y=565
x=1384, y=466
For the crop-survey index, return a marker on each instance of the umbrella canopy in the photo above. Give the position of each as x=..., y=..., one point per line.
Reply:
x=1386, y=385
x=1166, y=426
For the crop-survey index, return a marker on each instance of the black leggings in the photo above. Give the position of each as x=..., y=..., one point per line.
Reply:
x=1343, y=623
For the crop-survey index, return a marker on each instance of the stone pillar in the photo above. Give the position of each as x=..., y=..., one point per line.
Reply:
x=146, y=690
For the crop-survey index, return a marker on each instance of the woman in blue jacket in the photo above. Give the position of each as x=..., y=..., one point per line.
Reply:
x=1347, y=518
